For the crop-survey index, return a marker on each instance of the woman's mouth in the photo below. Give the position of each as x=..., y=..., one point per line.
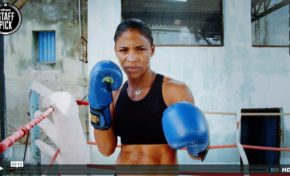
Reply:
x=132, y=69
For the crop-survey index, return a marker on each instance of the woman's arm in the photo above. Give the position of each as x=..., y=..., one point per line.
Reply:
x=106, y=139
x=184, y=115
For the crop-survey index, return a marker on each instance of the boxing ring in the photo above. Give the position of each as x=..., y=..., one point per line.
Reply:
x=25, y=129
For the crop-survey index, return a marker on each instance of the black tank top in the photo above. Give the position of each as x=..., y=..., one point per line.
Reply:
x=139, y=122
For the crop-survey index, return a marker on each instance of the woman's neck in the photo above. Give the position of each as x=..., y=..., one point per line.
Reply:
x=144, y=81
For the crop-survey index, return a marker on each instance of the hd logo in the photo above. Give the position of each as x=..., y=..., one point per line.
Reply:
x=285, y=169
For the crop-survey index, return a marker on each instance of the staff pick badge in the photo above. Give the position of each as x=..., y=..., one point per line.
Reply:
x=10, y=19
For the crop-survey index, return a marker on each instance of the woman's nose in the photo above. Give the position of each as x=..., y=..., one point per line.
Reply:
x=131, y=57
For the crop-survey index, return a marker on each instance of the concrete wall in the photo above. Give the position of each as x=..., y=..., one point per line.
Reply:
x=225, y=79
x=68, y=74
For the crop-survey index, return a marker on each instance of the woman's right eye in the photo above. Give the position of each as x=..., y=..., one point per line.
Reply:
x=122, y=50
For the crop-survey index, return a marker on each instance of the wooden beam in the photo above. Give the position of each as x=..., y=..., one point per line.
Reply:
x=270, y=10
x=18, y=3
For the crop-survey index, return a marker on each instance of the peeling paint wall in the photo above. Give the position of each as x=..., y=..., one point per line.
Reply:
x=68, y=74
x=224, y=79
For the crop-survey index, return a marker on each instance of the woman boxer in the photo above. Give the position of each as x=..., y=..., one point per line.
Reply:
x=137, y=109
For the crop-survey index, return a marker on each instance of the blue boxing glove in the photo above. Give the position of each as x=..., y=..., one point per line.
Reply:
x=184, y=125
x=105, y=77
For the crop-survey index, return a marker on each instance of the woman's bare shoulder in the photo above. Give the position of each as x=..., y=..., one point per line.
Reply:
x=175, y=91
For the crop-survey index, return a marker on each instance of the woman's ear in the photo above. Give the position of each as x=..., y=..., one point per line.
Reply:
x=152, y=50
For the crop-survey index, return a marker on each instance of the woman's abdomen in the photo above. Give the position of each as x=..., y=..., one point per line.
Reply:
x=157, y=154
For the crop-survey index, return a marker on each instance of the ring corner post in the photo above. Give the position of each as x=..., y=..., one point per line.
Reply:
x=35, y=132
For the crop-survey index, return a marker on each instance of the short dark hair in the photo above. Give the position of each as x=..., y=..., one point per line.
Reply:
x=136, y=24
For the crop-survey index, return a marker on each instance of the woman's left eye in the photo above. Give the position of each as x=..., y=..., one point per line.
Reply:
x=142, y=49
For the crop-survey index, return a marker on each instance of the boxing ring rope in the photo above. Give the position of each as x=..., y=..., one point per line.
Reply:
x=247, y=114
x=81, y=102
x=22, y=131
x=54, y=156
x=230, y=146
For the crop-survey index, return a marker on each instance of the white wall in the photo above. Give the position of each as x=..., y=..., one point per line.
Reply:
x=225, y=79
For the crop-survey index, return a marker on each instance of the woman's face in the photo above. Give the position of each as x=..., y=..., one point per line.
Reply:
x=134, y=52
